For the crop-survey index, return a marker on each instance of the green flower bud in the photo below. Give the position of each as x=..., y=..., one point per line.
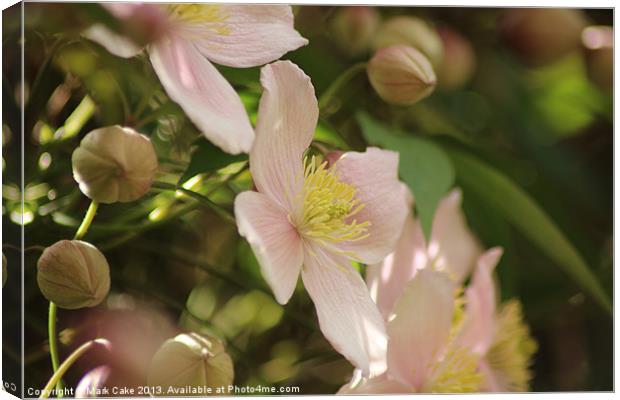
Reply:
x=413, y=32
x=114, y=164
x=401, y=75
x=191, y=360
x=353, y=28
x=542, y=35
x=73, y=274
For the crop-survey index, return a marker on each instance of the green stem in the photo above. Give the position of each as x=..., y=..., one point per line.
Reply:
x=64, y=367
x=88, y=219
x=339, y=83
x=221, y=211
x=51, y=330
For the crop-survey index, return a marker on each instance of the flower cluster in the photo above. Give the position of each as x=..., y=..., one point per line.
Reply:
x=425, y=318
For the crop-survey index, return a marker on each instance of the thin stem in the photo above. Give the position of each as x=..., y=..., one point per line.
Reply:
x=64, y=367
x=51, y=331
x=221, y=211
x=88, y=219
x=339, y=83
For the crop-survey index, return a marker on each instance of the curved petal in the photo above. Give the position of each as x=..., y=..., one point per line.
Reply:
x=386, y=281
x=479, y=328
x=347, y=315
x=287, y=117
x=379, y=385
x=113, y=42
x=275, y=242
x=452, y=244
x=374, y=174
x=203, y=93
x=242, y=35
x=419, y=330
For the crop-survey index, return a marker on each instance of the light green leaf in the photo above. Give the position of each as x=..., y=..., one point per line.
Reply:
x=501, y=193
x=424, y=166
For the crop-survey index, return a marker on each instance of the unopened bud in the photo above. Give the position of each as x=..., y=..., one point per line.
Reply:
x=542, y=35
x=73, y=274
x=401, y=75
x=413, y=32
x=114, y=164
x=353, y=28
x=191, y=360
x=459, y=60
x=598, y=42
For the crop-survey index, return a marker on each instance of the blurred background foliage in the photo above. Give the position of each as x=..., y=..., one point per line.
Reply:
x=530, y=143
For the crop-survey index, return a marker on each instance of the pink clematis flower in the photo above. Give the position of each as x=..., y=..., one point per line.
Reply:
x=452, y=247
x=423, y=355
x=498, y=335
x=186, y=38
x=311, y=218
x=478, y=349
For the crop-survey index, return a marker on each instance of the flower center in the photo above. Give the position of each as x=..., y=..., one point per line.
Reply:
x=510, y=355
x=199, y=14
x=328, y=206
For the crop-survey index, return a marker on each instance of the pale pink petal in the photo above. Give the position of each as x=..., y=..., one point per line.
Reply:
x=374, y=174
x=203, y=93
x=419, y=330
x=113, y=42
x=379, y=385
x=287, y=117
x=347, y=315
x=387, y=280
x=243, y=35
x=275, y=242
x=452, y=243
x=479, y=327
x=124, y=10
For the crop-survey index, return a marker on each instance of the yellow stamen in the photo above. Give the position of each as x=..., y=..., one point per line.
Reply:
x=512, y=349
x=327, y=206
x=210, y=15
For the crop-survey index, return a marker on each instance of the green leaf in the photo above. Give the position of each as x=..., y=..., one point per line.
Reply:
x=207, y=158
x=517, y=207
x=424, y=166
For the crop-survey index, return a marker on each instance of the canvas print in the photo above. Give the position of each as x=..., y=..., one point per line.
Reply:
x=206, y=199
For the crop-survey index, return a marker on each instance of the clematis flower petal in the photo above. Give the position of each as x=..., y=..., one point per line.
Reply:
x=287, y=116
x=452, y=243
x=275, y=242
x=244, y=35
x=479, y=328
x=203, y=93
x=374, y=174
x=420, y=326
x=116, y=44
x=347, y=316
x=378, y=385
x=387, y=280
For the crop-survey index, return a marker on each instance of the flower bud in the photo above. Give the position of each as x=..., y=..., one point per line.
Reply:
x=598, y=42
x=191, y=360
x=353, y=28
x=401, y=75
x=542, y=35
x=413, y=32
x=459, y=60
x=114, y=164
x=73, y=274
